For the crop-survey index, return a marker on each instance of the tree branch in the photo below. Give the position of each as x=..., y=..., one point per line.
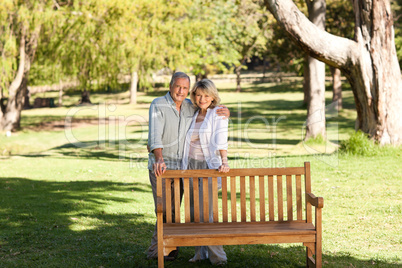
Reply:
x=21, y=66
x=334, y=50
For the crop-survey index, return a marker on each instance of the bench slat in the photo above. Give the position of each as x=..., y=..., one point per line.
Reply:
x=177, y=199
x=299, y=198
x=196, y=195
x=262, y=198
x=205, y=199
x=252, y=198
x=243, y=198
x=245, y=240
x=280, y=197
x=289, y=197
x=271, y=197
x=233, y=198
x=215, y=199
x=224, y=199
x=234, y=172
x=238, y=229
x=186, y=185
x=168, y=192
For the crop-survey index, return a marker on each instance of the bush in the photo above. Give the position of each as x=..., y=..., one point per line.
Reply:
x=360, y=144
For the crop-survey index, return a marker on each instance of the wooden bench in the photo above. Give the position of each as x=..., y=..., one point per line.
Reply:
x=254, y=206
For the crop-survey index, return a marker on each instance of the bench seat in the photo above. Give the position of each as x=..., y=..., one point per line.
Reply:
x=233, y=233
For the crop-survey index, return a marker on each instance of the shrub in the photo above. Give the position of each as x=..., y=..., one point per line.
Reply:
x=360, y=144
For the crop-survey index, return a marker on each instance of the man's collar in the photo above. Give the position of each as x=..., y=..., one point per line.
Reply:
x=170, y=100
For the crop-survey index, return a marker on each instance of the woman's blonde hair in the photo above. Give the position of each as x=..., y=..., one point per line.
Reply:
x=208, y=87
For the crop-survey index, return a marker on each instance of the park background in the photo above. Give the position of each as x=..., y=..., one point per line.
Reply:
x=74, y=187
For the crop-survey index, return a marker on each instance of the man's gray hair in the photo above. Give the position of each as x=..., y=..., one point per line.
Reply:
x=178, y=75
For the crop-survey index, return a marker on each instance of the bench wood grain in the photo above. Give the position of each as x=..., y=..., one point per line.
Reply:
x=254, y=206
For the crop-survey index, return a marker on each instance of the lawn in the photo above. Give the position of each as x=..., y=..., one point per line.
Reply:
x=74, y=188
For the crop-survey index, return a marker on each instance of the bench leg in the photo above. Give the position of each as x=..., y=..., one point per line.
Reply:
x=309, y=255
x=160, y=259
x=318, y=254
x=160, y=240
x=318, y=238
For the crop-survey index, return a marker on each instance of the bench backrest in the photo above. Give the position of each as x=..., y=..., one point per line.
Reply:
x=247, y=195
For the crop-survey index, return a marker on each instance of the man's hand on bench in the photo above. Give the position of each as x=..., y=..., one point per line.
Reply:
x=224, y=168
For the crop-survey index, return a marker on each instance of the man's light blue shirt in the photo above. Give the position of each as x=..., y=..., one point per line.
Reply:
x=167, y=129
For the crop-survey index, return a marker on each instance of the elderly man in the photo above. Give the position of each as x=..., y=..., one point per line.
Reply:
x=169, y=120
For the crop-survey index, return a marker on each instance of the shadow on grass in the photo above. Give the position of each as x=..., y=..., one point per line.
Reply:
x=274, y=256
x=69, y=224
x=267, y=113
x=101, y=150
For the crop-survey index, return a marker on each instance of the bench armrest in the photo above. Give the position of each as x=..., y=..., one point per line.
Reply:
x=159, y=205
x=315, y=201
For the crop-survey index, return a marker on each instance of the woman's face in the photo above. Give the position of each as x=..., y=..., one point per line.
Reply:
x=202, y=99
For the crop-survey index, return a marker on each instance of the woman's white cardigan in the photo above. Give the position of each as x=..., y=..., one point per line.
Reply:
x=213, y=137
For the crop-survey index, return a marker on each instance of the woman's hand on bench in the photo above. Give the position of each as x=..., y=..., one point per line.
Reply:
x=224, y=168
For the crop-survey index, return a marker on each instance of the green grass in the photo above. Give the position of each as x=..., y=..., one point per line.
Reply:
x=91, y=205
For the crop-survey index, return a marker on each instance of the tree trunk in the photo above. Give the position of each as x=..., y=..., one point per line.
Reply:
x=2, y=108
x=315, y=124
x=10, y=120
x=85, y=99
x=12, y=111
x=264, y=67
x=60, y=94
x=306, y=82
x=336, y=87
x=315, y=85
x=12, y=117
x=369, y=62
x=379, y=94
x=133, y=88
x=238, y=78
x=200, y=76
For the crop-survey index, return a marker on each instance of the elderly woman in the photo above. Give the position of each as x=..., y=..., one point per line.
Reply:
x=206, y=148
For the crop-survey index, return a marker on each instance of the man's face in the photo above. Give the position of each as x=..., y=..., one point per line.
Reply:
x=179, y=90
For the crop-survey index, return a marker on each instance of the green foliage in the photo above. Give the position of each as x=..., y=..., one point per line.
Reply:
x=340, y=18
x=397, y=13
x=98, y=42
x=290, y=57
x=18, y=17
x=210, y=48
x=319, y=140
x=360, y=144
x=250, y=27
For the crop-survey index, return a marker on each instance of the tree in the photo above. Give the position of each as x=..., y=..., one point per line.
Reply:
x=339, y=22
x=397, y=8
x=87, y=45
x=314, y=78
x=210, y=48
x=336, y=87
x=18, y=44
x=369, y=62
x=250, y=24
